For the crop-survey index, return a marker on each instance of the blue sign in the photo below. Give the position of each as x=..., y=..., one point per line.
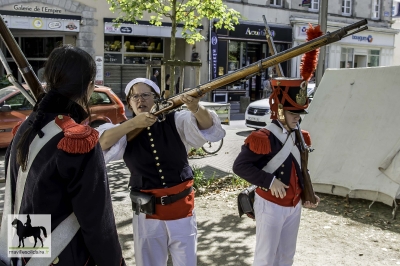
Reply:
x=368, y=38
x=214, y=54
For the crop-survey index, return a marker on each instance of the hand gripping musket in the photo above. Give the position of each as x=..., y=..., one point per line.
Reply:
x=308, y=192
x=162, y=107
x=24, y=67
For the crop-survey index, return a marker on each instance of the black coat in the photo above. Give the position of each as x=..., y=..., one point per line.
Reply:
x=248, y=165
x=59, y=183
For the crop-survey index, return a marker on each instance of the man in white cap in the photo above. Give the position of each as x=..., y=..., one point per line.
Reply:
x=157, y=161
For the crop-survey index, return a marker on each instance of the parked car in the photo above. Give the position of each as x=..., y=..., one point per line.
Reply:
x=105, y=106
x=258, y=112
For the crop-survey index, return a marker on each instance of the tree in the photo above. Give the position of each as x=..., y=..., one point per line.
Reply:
x=190, y=13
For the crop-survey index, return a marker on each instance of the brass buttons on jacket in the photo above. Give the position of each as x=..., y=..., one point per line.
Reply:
x=282, y=173
x=149, y=134
x=151, y=139
x=160, y=171
x=158, y=164
x=283, y=165
x=154, y=151
x=148, y=128
x=152, y=145
x=60, y=117
x=162, y=177
x=156, y=158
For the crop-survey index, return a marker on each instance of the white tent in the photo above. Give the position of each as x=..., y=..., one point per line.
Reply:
x=354, y=123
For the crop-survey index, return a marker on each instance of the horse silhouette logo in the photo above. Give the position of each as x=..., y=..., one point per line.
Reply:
x=27, y=230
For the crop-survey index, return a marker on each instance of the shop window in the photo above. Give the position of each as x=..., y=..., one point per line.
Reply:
x=327, y=52
x=373, y=58
x=132, y=49
x=112, y=43
x=376, y=9
x=275, y=2
x=346, y=7
x=314, y=6
x=234, y=61
x=133, y=44
x=347, y=58
x=39, y=47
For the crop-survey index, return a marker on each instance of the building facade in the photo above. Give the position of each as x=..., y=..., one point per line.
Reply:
x=122, y=51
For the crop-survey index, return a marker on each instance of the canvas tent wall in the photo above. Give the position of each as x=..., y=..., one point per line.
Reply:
x=354, y=122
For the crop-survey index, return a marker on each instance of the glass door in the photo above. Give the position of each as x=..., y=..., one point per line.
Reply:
x=253, y=55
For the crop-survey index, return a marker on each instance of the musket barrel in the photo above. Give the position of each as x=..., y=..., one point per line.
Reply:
x=24, y=67
x=258, y=67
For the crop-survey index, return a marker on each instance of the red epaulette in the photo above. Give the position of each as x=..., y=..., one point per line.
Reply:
x=15, y=128
x=77, y=138
x=306, y=136
x=258, y=141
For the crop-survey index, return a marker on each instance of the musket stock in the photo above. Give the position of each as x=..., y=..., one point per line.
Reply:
x=23, y=66
x=257, y=67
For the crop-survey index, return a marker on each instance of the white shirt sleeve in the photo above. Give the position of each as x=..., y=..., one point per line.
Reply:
x=191, y=135
x=115, y=152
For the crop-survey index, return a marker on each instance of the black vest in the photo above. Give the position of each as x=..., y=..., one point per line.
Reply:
x=157, y=157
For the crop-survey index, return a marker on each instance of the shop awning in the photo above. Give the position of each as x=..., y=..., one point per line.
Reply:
x=39, y=21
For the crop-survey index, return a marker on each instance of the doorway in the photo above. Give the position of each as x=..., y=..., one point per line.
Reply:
x=253, y=55
x=360, y=60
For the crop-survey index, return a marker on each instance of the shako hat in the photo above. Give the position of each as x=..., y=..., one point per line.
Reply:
x=288, y=94
x=291, y=93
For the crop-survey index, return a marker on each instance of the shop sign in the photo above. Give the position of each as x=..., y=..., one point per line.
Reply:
x=303, y=30
x=214, y=54
x=38, y=9
x=99, y=70
x=249, y=31
x=360, y=38
x=27, y=23
x=259, y=32
x=306, y=3
x=113, y=58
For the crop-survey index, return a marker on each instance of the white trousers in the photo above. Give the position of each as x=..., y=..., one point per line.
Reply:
x=154, y=238
x=276, y=233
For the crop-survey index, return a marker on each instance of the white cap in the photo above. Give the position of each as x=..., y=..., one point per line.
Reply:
x=141, y=80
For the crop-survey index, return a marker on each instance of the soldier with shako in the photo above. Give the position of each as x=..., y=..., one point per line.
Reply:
x=270, y=159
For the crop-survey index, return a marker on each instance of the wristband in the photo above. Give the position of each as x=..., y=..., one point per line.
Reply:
x=198, y=108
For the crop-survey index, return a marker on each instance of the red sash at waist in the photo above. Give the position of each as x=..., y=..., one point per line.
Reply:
x=176, y=210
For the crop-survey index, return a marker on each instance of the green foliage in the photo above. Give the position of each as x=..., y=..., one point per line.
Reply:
x=198, y=152
x=190, y=13
x=198, y=178
x=4, y=82
x=238, y=181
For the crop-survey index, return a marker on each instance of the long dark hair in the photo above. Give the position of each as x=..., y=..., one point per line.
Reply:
x=68, y=72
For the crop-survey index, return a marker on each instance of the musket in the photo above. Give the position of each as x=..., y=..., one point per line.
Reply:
x=164, y=106
x=271, y=46
x=308, y=192
x=23, y=66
